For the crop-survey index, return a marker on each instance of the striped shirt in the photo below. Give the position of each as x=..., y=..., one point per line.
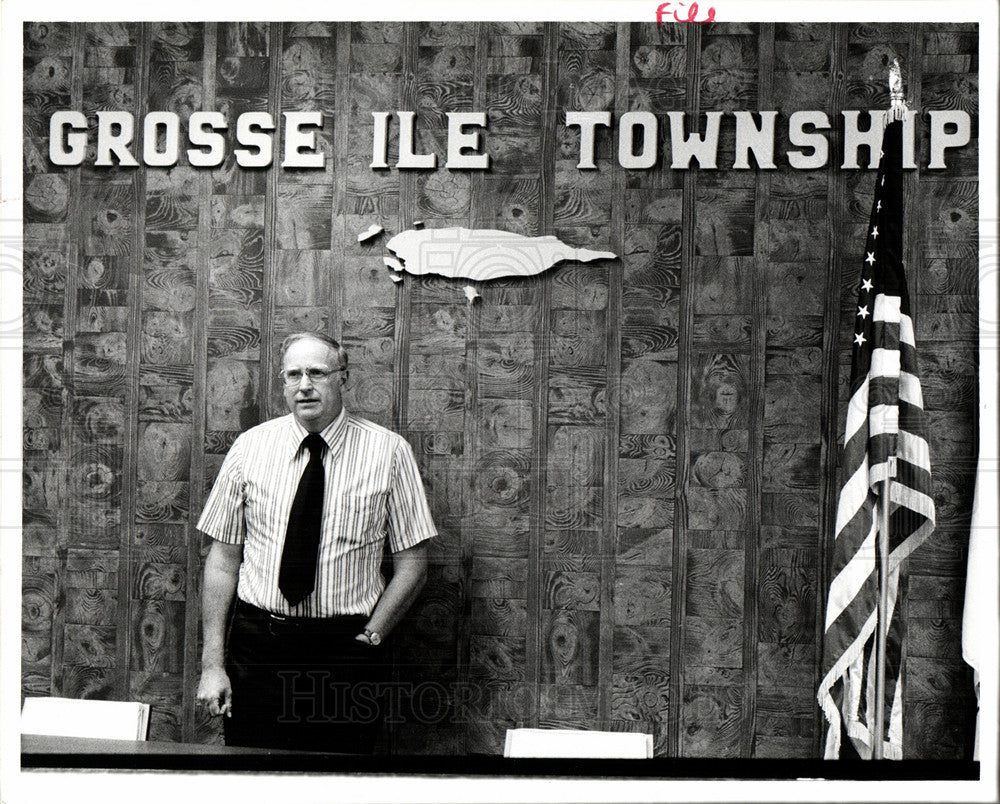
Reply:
x=373, y=492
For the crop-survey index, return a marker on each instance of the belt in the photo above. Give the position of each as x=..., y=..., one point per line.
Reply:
x=347, y=622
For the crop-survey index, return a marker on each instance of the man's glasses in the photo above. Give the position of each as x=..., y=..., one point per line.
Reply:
x=293, y=377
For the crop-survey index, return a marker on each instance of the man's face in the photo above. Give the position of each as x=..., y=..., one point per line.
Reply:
x=314, y=404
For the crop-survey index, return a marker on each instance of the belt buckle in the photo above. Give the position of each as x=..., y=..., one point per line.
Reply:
x=281, y=618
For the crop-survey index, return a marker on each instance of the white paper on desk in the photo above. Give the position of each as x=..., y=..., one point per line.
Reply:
x=577, y=744
x=74, y=717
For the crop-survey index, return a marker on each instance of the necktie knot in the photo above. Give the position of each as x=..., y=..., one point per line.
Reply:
x=315, y=444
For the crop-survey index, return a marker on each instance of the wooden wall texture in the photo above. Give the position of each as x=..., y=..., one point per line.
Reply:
x=631, y=463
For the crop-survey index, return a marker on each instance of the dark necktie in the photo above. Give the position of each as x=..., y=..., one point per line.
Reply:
x=297, y=577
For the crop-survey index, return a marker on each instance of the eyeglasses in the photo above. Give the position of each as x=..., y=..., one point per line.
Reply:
x=293, y=377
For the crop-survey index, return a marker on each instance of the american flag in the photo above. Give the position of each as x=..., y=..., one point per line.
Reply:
x=884, y=437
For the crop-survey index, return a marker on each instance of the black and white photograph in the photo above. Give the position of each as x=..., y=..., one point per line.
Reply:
x=446, y=399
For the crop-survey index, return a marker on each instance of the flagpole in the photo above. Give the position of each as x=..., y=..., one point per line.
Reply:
x=883, y=606
x=897, y=111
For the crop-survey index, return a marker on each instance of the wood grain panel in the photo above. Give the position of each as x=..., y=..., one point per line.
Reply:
x=648, y=334
x=498, y=616
x=722, y=285
x=933, y=680
x=304, y=217
x=787, y=603
x=303, y=278
x=644, y=546
x=711, y=721
x=787, y=714
x=153, y=580
x=785, y=665
x=432, y=621
x=38, y=533
x=567, y=706
x=157, y=636
x=714, y=584
x=231, y=395
x=648, y=396
x=639, y=511
x=790, y=466
x=642, y=596
x=577, y=591
x=497, y=657
x=935, y=730
x=712, y=642
x=90, y=645
x=505, y=423
x=651, y=276
x=162, y=501
x=91, y=568
x=577, y=338
x=90, y=606
x=163, y=692
x=719, y=385
x=443, y=483
x=160, y=542
x=570, y=647
x=81, y=681
x=36, y=678
x=164, y=452
x=934, y=638
x=41, y=486
x=502, y=482
x=725, y=222
x=505, y=369
x=793, y=743
x=169, y=289
x=642, y=692
x=161, y=403
x=788, y=509
x=236, y=267
x=646, y=446
x=638, y=644
x=495, y=577
x=37, y=611
x=576, y=395
x=949, y=434
x=946, y=555
x=572, y=542
x=44, y=269
x=718, y=469
x=716, y=509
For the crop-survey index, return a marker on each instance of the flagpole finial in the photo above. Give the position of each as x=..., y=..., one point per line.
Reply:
x=898, y=109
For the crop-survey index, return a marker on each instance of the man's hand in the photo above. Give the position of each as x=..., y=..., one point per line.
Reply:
x=215, y=691
x=222, y=569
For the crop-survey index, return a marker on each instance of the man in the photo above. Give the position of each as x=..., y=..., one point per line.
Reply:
x=299, y=514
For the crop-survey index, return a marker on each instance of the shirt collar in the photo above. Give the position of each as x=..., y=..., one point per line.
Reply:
x=332, y=434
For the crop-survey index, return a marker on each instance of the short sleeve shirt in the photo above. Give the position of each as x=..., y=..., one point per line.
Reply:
x=373, y=496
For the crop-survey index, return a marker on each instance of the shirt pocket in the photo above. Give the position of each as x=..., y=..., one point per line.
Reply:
x=361, y=517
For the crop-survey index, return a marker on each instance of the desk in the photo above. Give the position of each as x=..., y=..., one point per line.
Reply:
x=74, y=753
x=46, y=745
x=44, y=752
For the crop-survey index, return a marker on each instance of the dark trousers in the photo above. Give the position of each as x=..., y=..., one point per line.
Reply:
x=303, y=684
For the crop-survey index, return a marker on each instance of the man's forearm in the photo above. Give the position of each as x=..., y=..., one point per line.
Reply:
x=219, y=588
x=409, y=575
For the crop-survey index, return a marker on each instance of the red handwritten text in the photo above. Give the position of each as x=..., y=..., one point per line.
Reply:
x=692, y=11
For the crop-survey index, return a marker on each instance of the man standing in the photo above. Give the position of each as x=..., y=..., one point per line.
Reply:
x=299, y=514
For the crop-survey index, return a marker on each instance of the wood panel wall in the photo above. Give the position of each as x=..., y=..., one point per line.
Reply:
x=632, y=463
